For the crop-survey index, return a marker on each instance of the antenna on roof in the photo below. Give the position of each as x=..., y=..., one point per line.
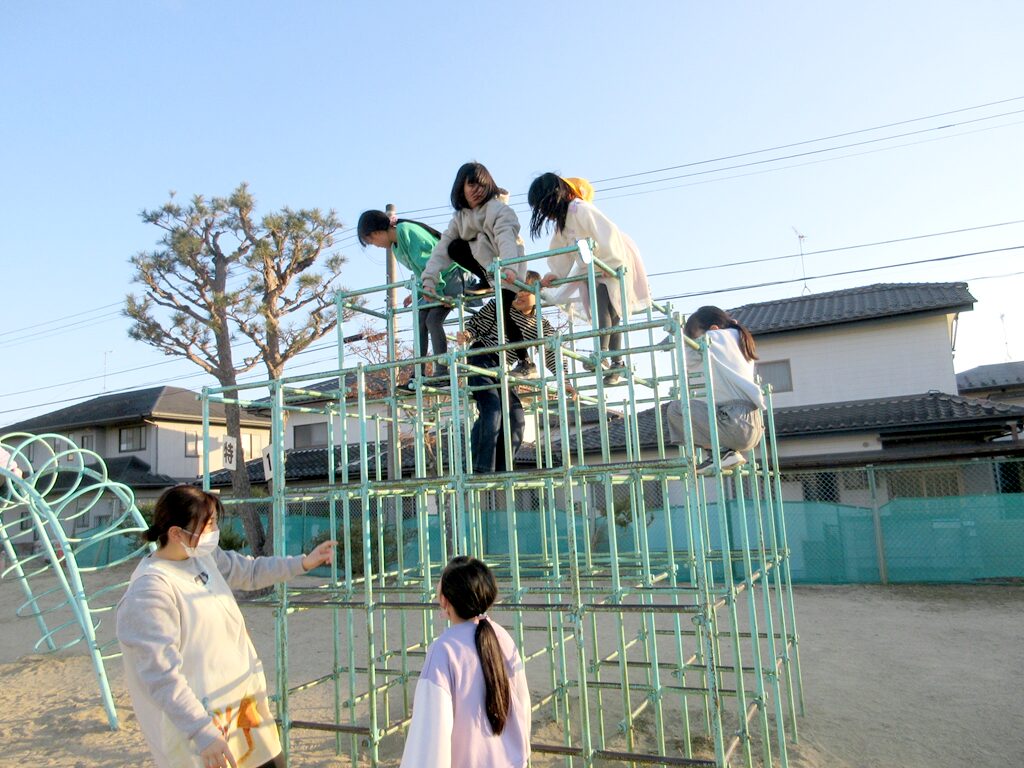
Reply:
x=803, y=269
x=108, y=352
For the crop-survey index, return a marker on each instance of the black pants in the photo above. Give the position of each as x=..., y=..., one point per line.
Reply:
x=606, y=318
x=460, y=253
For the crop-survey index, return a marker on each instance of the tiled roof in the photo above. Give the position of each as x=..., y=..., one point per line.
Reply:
x=130, y=470
x=853, y=304
x=310, y=464
x=300, y=464
x=120, y=407
x=991, y=376
x=891, y=413
x=884, y=414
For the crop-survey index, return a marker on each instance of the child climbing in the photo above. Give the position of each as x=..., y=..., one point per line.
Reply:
x=487, y=437
x=738, y=399
x=472, y=704
x=412, y=243
x=556, y=201
x=483, y=229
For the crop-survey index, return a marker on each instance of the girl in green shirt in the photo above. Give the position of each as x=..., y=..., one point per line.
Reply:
x=412, y=243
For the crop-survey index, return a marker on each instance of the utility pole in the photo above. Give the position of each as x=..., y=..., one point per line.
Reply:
x=394, y=435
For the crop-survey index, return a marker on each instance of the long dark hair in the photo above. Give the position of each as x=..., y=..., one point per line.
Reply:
x=701, y=320
x=549, y=197
x=478, y=174
x=378, y=221
x=470, y=587
x=185, y=506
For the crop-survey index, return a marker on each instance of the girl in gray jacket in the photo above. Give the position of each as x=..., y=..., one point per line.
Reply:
x=483, y=228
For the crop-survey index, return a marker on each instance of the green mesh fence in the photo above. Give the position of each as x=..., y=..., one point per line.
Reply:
x=948, y=522
x=924, y=535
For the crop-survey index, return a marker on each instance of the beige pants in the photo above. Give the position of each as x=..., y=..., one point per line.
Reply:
x=739, y=424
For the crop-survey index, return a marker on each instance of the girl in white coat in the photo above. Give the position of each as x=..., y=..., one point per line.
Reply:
x=195, y=681
x=556, y=201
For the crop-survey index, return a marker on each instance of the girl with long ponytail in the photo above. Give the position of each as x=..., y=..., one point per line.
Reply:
x=473, y=669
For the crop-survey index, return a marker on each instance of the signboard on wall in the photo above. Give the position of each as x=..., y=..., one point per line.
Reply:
x=230, y=452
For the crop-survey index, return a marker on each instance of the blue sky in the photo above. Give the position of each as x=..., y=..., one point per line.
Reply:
x=110, y=105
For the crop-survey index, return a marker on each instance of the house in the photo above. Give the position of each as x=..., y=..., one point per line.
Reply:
x=1001, y=382
x=148, y=438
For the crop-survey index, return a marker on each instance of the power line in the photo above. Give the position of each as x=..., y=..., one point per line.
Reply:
x=834, y=250
x=838, y=274
x=810, y=141
x=784, y=146
x=58, y=319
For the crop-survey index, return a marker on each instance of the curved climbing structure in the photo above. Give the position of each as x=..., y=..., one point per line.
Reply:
x=62, y=519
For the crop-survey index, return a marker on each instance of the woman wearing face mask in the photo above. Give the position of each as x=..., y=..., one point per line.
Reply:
x=196, y=684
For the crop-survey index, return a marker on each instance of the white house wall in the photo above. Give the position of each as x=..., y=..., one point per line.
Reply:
x=352, y=426
x=860, y=361
x=165, y=447
x=815, y=446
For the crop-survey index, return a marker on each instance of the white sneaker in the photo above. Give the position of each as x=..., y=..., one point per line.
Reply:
x=727, y=459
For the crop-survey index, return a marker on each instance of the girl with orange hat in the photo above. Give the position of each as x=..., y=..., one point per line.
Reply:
x=565, y=203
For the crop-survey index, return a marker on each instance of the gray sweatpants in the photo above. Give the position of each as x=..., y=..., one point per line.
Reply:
x=739, y=424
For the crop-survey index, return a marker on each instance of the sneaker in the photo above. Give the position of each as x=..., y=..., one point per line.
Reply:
x=407, y=388
x=525, y=370
x=612, y=378
x=589, y=366
x=706, y=467
x=477, y=286
x=728, y=459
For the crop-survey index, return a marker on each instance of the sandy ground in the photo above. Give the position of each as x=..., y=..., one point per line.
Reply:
x=913, y=676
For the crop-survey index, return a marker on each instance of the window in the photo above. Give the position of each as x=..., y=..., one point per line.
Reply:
x=924, y=483
x=246, y=445
x=855, y=480
x=132, y=439
x=192, y=444
x=86, y=442
x=776, y=373
x=1010, y=477
x=310, y=435
x=821, y=486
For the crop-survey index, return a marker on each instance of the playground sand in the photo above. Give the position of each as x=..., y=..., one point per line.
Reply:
x=909, y=676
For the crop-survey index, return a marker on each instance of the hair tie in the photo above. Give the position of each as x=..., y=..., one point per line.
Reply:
x=482, y=617
x=392, y=220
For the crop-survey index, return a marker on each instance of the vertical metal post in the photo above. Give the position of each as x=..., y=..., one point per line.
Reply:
x=876, y=519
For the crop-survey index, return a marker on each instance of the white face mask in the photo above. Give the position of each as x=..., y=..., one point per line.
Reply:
x=207, y=544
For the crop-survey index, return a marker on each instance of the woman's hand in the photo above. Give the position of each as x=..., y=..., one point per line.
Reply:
x=463, y=337
x=510, y=276
x=408, y=301
x=322, y=555
x=218, y=755
x=547, y=280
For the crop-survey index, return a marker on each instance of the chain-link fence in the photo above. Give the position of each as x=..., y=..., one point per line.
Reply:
x=953, y=522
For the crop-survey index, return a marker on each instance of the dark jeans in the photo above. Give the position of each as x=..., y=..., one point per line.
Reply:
x=606, y=318
x=488, y=435
x=460, y=253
